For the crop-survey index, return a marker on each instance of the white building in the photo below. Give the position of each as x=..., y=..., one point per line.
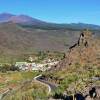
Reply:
x=33, y=66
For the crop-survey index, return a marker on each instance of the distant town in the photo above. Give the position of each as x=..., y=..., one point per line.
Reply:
x=47, y=64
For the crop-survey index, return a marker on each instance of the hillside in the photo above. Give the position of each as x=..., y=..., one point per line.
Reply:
x=79, y=71
x=16, y=40
x=85, y=51
x=15, y=37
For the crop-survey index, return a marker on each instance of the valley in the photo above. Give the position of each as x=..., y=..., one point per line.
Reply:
x=48, y=61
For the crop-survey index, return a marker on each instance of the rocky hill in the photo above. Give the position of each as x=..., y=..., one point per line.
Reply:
x=79, y=71
x=86, y=51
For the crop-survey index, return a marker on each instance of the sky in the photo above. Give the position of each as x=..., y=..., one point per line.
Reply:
x=57, y=11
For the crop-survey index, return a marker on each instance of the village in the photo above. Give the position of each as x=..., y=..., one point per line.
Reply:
x=33, y=66
x=40, y=61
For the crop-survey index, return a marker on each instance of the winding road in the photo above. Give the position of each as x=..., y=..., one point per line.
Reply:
x=51, y=87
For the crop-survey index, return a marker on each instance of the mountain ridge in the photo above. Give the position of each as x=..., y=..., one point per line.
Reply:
x=27, y=20
x=21, y=19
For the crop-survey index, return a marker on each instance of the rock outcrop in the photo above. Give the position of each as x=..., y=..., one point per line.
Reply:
x=85, y=52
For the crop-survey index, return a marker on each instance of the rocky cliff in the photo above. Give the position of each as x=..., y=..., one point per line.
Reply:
x=86, y=51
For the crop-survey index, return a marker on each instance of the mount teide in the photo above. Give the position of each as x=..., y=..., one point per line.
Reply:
x=29, y=21
x=20, y=19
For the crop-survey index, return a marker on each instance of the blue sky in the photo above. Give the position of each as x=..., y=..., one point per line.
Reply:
x=59, y=11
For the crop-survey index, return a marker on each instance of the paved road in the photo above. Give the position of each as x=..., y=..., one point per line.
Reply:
x=50, y=86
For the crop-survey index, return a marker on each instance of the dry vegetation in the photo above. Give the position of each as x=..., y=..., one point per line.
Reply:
x=78, y=70
x=22, y=86
x=29, y=91
x=14, y=79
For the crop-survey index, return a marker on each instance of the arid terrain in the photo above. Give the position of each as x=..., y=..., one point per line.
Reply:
x=48, y=61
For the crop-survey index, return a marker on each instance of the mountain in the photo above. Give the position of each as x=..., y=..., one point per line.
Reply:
x=4, y=17
x=18, y=37
x=16, y=40
x=84, y=26
x=13, y=36
x=21, y=19
x=28, y=21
